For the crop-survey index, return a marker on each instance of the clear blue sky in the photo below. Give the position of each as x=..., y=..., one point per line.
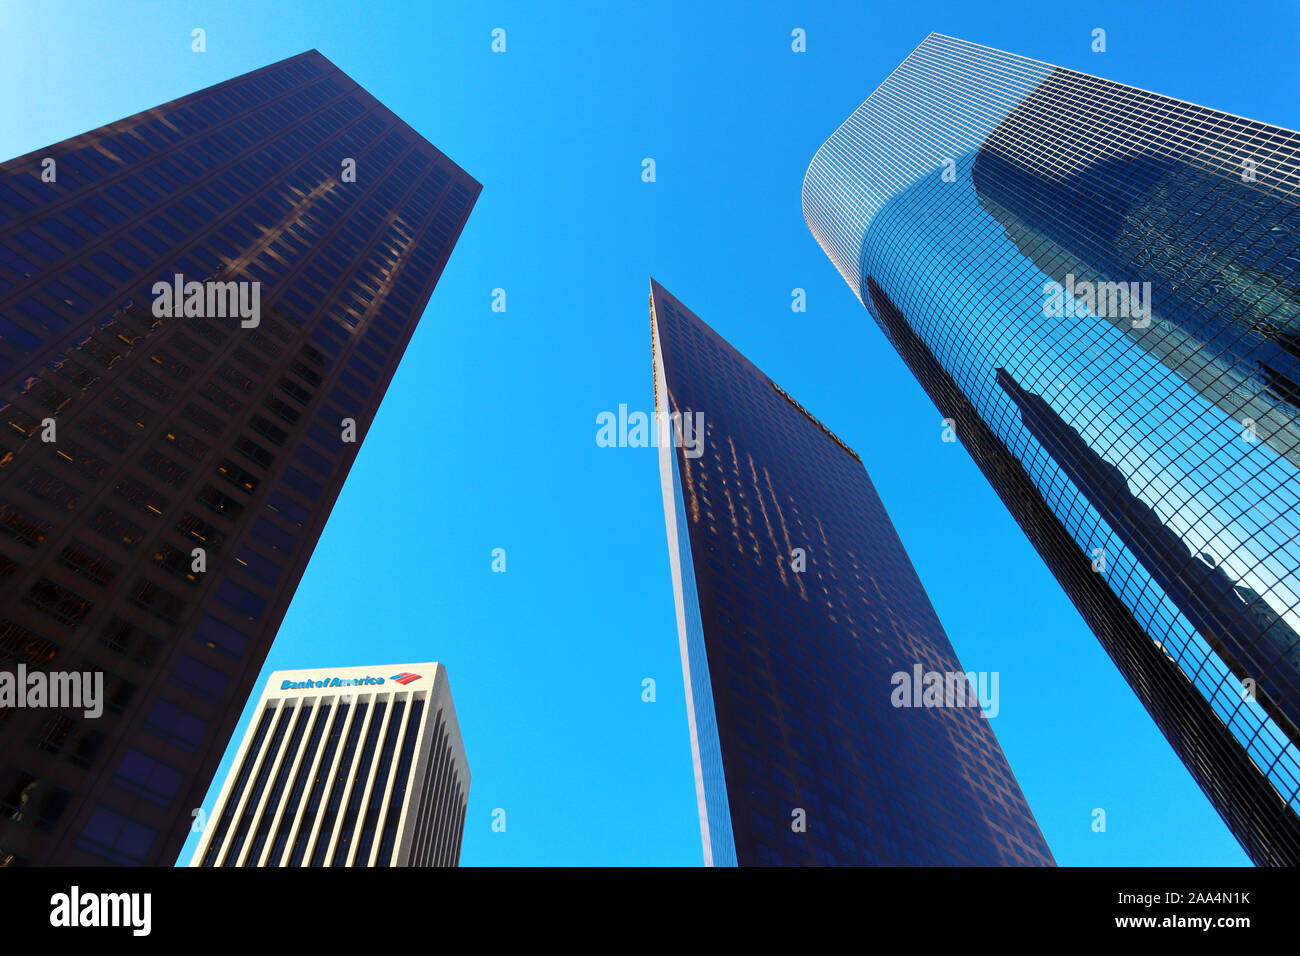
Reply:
x=487, y=436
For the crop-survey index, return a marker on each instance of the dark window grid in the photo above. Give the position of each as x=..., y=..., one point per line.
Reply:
x=249, y=599
x=58, y=603
x=140, y=277
x=149, y=777
x=274, y=801
x=162, y=601
x=321, y=775
x=289, y=280
x=310, y=753
x=116, y=838
x=216, y=837
x=250, y=806
x=252, y=252
x=72, y=740
x=356, y=790
x=162, y=158
x=258, y=567
x=340, y=781
x=401, y=785
x=131, y=641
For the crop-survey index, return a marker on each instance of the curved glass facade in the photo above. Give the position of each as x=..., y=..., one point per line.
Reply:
x=1101, y=286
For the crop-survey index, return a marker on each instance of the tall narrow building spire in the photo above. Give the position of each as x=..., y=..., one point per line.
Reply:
x=831, y=721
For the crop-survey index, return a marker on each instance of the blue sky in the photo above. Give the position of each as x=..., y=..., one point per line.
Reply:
x=487, y=436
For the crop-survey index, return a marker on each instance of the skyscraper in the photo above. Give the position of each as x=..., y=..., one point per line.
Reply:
x=201, y=307
x=1100, y=288
x=352, y=766
x=830, y=720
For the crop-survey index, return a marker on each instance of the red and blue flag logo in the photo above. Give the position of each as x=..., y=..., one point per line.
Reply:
x=405, y=677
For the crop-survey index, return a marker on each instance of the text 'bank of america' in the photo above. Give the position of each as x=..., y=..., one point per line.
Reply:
x=353, y=766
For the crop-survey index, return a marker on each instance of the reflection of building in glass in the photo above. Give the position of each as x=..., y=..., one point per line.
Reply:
x=160, y=536
x=797, y=608
x=1202, y=591
x=1226, y=317
x=965, y=185
x=1282, y=635
x=352, y=766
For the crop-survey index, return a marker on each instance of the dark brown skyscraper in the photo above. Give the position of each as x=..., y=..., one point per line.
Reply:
x=831, y=722
x=167, y=462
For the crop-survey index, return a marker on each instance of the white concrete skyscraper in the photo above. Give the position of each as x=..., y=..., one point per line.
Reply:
x=352, y=766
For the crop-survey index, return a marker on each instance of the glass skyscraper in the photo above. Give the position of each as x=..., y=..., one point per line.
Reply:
x=807, y=640
x=168, y=461
x=1100, y=288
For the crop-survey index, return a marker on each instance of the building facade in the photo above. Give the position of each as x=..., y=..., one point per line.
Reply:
x=201, y=307
x=353, y=766
x=1099, y=287
x=809, y=647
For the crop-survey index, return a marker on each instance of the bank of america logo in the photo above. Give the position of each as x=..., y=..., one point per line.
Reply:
x=405, y=677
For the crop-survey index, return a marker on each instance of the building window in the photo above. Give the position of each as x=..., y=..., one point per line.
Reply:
x=283, y=505
x=254, y=452
x=221, y=637
x=248, y=604
x=69, y=739
x=186, y=442
x=300, y=483
x=66, y=607
x=147, y=777
x=81, y=560
x=114, y=527
x=200, y=530
x=205, y=682
x=176, y=725
x=261, y=569
x=29, y=800
x=241, y=478
x=131, y=642
x=21, y=646
x=116, y=838
x=278, y=540
x=268, y=429
x=221, y=503
x=166, y=469
x=23, y=528
x=157, y=600
x=179, y=564
x=141, y=495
